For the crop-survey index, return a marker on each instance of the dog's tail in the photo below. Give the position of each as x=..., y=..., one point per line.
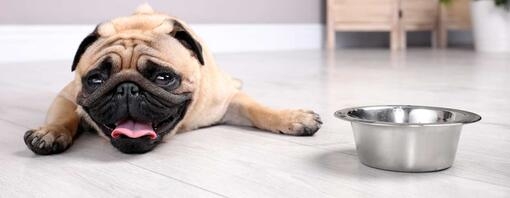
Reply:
x=144, y=9
x=238, y=83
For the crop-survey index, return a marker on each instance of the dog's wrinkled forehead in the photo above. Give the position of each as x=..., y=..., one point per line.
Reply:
x=143, y=34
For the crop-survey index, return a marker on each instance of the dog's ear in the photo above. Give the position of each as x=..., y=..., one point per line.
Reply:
x=87, y=41
x=181, y=34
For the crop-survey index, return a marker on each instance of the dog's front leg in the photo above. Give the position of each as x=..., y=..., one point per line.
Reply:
x=59, y=129
x=245, y=111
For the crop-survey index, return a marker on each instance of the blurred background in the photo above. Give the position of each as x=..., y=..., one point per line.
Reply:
x=192, y=11
x=27, y=26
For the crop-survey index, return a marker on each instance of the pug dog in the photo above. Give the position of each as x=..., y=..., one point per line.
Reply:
x=142, y=77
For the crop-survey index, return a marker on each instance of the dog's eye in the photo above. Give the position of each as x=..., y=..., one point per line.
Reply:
x=164, y=79
x=95, y=80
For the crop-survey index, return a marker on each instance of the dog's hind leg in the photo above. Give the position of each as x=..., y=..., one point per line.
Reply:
x=59, y=129
x=245, y=111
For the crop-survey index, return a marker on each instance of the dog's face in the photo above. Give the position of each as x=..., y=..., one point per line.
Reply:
x=138, y=75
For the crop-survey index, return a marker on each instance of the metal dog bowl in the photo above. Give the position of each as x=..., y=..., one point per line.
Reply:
x=406, y=138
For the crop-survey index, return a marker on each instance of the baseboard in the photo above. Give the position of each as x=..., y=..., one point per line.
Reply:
x=21, y=43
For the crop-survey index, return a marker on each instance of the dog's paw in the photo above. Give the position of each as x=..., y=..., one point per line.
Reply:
x=299, y=123
x=48, y=140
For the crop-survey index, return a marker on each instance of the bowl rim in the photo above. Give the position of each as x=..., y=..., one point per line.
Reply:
x=344, y=115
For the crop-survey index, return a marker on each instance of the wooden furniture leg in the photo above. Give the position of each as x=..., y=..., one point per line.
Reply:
x=330, y=26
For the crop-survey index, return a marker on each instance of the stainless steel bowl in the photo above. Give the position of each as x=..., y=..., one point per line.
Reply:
x=406, y=138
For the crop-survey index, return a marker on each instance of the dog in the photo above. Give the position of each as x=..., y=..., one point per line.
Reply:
x=145, y=76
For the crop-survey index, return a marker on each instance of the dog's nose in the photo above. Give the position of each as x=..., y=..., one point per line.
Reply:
x=128, y=89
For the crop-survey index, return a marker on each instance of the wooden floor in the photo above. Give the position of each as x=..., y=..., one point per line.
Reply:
x=225, y=161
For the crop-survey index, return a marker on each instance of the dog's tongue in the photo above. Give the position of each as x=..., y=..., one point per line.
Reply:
x=133, y=129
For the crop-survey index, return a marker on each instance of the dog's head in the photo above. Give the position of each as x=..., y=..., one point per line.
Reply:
x=137, y=76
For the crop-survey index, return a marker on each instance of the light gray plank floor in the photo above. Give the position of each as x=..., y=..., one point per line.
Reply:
x=226, y=161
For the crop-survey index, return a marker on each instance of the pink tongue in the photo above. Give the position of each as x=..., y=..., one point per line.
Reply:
x=133, y=129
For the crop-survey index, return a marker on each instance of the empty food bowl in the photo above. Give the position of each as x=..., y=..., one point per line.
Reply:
x=406, y=138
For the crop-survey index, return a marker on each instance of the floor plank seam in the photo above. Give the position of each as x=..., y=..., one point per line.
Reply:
x=296, y=143
x=476, y=180
x=179, y=180
x=14, y=123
